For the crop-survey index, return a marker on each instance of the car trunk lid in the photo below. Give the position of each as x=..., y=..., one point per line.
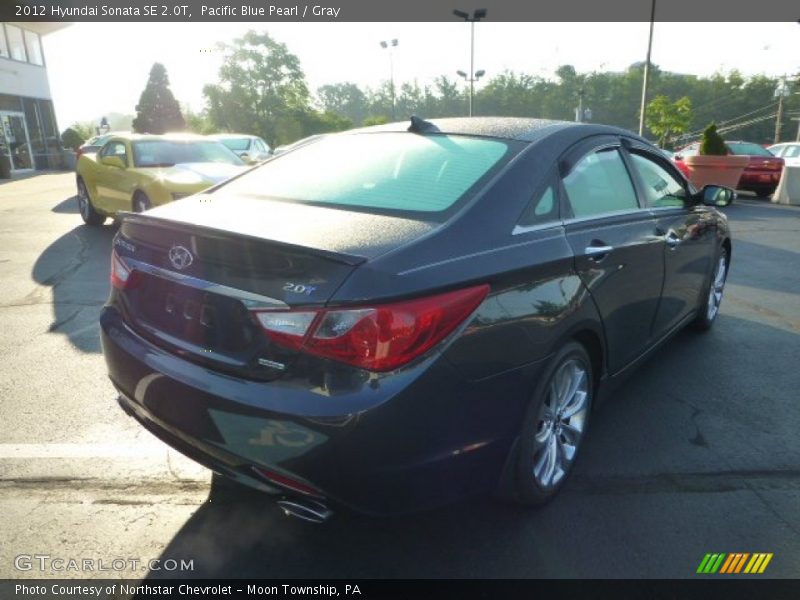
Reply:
x=200, y=274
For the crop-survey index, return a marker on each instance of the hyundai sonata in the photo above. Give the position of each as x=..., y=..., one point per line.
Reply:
x=392, y=318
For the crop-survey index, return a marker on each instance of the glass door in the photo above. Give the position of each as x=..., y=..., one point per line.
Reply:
x=15, y=143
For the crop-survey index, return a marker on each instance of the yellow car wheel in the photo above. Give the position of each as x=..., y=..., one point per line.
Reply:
x=88, y=213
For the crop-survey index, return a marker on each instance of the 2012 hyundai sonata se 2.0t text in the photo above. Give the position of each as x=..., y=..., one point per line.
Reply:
x=391, y=318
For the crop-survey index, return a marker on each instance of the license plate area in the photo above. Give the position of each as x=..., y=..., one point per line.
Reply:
x=211, y=321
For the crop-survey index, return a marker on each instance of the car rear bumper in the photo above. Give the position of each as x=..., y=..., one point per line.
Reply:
x=759, y=179
x=399, y=443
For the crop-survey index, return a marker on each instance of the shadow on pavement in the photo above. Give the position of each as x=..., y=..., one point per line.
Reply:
x=69, y=206
x=758, y=265
x=76, y=269
x=671, y=446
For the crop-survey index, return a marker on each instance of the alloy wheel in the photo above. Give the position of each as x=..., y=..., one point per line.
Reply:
x=562, y=420
x=717, y=287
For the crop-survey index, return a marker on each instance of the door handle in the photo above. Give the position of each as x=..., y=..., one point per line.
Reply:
x=672, y=239
x=597, y=252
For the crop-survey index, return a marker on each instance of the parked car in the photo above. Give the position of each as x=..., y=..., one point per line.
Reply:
x=250, y=148
x=92, y=145
x=136, y=172
x=435, y=319
x=788, y=151
x=301, y=142
x=761, y=175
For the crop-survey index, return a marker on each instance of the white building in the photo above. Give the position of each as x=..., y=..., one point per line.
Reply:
x=29, y=133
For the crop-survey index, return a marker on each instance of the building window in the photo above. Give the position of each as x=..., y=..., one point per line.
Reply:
x=15, y=42
x=3, y=44
x=34, y=48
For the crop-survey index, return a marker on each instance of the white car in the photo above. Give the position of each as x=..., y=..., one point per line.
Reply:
x=788, y=151
x=250, y=148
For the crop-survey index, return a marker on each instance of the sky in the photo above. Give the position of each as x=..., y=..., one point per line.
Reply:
x=100, y=68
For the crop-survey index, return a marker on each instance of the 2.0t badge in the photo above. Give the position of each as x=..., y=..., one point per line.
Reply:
x=180, y=257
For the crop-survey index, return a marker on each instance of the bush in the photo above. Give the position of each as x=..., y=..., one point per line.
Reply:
x=72, y=139
x=713, y=144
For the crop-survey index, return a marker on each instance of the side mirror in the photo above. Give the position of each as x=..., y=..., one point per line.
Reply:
x=113, y=161
x=677, y=157
x=250, y=160
x=716, y=195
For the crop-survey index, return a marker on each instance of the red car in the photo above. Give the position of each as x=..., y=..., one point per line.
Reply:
x=761, y=174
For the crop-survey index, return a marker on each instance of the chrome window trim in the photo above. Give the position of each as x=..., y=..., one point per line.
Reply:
x=616, y=213
x=520, y=229
x=250, y=299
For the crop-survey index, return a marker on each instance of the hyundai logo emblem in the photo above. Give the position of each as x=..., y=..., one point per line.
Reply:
x=180, y=257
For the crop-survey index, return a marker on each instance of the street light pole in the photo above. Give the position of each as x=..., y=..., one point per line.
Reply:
x=388, y=46
x=647, y=68
x=471, y=79
x=477, y=15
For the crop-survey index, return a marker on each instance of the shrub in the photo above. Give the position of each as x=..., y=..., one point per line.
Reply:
x=713, y=144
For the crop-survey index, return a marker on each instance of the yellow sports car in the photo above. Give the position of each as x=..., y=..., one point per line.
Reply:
x=136, y=172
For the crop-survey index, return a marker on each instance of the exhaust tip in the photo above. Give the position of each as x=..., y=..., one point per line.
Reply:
x=305, y=509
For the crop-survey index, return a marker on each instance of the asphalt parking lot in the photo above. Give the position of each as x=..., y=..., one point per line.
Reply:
x=699, y=452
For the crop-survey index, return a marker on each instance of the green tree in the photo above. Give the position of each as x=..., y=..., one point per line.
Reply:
x=345, y=99
x=262, y=90
x=85, y=129
x=198, y=122
x=158, y=111
x=667, y=119
x=72, y=139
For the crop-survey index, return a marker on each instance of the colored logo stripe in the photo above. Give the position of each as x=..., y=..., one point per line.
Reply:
x=758, y=563
x=734, y=563
x=710, y=563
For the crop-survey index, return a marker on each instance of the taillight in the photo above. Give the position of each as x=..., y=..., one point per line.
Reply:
x=377, y=338
x=122, y=276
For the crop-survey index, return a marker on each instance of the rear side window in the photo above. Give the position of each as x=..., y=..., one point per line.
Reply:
x=403, y=172
x=599, y=183
x=791, y=151
x=543, y=209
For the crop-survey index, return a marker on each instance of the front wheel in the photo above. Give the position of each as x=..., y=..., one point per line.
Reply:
x=141, y=203
x=716, y=287
x=554, y=425
x=88, y=213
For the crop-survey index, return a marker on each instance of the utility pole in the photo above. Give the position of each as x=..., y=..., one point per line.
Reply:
x=781, y=92
x=647, y=68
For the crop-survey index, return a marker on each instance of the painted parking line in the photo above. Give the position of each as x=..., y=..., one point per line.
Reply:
x=56, y=451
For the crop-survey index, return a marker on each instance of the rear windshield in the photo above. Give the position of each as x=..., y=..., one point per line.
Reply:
x=748, y=148
x=379, y=172
x=165, y=153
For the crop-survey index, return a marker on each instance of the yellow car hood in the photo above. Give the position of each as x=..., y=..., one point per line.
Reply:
x=196, y=173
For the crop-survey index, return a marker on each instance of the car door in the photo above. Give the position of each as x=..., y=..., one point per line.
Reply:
x=114, y=184
x=617, y=253
x=688, y=232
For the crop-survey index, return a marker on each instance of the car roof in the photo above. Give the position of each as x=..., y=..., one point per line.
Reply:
x=178, y=137
x=228, y=136
x=511, y=128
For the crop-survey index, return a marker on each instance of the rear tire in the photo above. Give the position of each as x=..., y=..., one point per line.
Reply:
x=88, y=213
x=554, y=425
x=707, y=313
